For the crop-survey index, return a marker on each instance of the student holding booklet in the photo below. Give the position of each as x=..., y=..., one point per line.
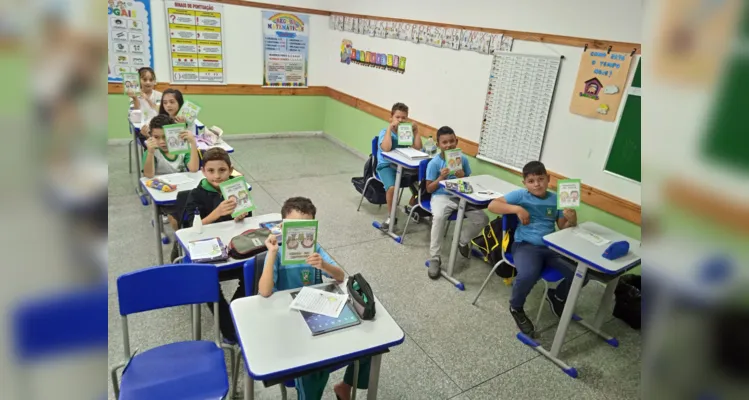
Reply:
x=289, y=270
x=146, y=99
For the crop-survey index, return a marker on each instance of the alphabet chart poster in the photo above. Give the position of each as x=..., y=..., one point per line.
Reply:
x=129, y=36
x=195, y=31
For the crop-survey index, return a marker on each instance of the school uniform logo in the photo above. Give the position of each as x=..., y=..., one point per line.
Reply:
x=549, y=211
x=305, y=277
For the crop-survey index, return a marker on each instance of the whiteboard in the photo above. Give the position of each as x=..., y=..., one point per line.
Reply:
x=521, y=88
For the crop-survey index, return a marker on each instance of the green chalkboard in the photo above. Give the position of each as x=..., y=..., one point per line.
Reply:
x=624, y=157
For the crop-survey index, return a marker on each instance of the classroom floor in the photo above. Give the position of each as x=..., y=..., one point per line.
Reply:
x=452, y=350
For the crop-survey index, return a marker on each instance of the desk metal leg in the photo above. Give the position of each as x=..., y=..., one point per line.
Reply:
x=374, y=377
x=196, y=322
x=157, y=229
x=249, y=387
x=604, y=309
x=454, y=247
x=137, y=153
x=569, y=308
x=394, y=208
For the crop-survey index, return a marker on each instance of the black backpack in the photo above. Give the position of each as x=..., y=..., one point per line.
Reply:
x=490, y=242
x=375, y=192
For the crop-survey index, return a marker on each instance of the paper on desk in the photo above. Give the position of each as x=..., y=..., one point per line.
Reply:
x=590, y=236
x=319, y=302
x=204, y=249
x=176, y=179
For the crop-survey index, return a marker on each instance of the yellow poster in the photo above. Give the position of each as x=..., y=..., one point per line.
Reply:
x=196, y=37
x=600, y=84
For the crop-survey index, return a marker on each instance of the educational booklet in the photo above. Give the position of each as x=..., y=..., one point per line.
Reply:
x=319, y=324
x=174, y=144
x=131, y=81
x=568, y=193
x=405, y=134
x=207, y=250
x=429, y=146
x=299, y=239
x=454, y=160
x=237, y=188
x=189, y=112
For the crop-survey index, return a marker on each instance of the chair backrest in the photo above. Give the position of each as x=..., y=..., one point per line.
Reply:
x=509, y=222
x=423, y=169
x=61, y=323
x=374, y=148
x=167, y=286
x=253, y=269
x=185, y=216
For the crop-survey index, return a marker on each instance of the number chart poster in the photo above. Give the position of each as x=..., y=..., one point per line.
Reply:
x=285, y=44
x=129, y=37
x=600, y=84
x=196, y=42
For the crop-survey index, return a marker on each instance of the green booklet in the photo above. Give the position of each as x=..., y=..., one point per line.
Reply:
x=174, y=143
x=405, y=134
x=429, y=146
x=299, y=240
x=454, y=160
x=237, y=188
x=568, y=193
x=131, y=82
x=189, y=111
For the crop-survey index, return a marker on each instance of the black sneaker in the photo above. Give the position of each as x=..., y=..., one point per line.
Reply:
x=555, y=305
x=385, y=225
x=464, y=249
x=524, y=324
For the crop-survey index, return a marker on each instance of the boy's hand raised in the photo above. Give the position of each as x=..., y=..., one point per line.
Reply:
x=523, y=215
x=188, y=137
x=315, y=260
x=460, y=174
x=151, y=145
x=240, y=217
x=444, y=172
x=571, y=216
x=145, y=130
x=226, y=207
x=179, y=119
x=271, y=243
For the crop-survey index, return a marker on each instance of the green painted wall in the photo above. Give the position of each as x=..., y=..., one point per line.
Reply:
x=356, y=128
x=239, y=113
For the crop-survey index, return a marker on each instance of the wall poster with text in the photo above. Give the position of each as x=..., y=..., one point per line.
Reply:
x=196, y=42
x=285, y=48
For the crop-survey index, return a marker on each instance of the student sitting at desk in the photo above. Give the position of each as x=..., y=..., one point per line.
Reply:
x=158, y=161
x=148, y=100
x=212, y=207
x=385, y=143
x=443, y=204
x=537, y=211
x=277, y=277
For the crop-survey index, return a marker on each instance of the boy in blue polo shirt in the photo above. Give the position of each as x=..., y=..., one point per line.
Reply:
x=385, y=143
x=278, y=277
x=537, y=211
x=443, y=203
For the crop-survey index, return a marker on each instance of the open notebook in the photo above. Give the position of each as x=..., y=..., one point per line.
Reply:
x=412, y=153
x=319, y=324
x=207, y=250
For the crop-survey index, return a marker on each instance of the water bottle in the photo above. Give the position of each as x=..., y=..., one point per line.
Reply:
x=197, y=222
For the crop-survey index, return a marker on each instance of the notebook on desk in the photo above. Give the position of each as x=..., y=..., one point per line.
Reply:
x=207, y=250
x=319, y=324
x=412, y=153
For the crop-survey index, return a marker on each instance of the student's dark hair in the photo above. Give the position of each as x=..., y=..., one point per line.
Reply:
x=160, y=121
x=143, y=70
x=445, y=130
x=399, y=107
x=534, y=168
x=301, y=204
x=216, y=154
x=177, y=95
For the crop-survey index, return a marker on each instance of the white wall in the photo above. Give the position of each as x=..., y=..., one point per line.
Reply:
x=448, y=87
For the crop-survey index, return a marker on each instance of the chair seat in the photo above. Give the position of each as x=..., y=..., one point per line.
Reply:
x=427, y=205
x=548, y=274
x=184, y=370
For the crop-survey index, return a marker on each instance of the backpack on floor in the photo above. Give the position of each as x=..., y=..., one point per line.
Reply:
x=491, y=243
x=375, y=192
x=628, y=300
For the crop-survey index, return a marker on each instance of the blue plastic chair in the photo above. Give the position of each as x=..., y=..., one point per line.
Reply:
x=425, y=205
x=375, y=176
x=181, y=370
x=548, y=274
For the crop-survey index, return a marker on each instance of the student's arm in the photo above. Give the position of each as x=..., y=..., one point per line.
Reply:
x=194, y=160
x=417, y=138
x=267, y=279
x=387, y=141
x=149, y=165
x=328, y=265
x=503, y=205
x=434, y=176
x=567, y=218
x=226, y=207
x=136, y=102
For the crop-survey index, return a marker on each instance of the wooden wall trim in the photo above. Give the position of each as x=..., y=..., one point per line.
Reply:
x=624, y=47
x=695, y=199
x=595, y=197
x=236, y=89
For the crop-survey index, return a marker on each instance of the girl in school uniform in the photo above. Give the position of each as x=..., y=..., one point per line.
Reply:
x=148, y=100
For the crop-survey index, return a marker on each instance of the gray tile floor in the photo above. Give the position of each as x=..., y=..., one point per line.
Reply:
x=453, y=350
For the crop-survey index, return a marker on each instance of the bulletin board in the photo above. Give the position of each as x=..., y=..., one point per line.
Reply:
x=129, y=36
x=600, y=83
x=624, y=157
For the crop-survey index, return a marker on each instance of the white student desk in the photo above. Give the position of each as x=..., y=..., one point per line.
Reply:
x=400, y=161
x=480, y=183
x=277, y=344
x=587, y=255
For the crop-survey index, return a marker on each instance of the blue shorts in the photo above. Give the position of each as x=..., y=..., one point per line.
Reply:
x=387, y=176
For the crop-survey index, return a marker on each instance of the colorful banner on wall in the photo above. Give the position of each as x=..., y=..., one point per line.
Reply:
x=285, y=43
x=129, y=36
x=389, y=62
x=196, y=41
x=600, y=84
